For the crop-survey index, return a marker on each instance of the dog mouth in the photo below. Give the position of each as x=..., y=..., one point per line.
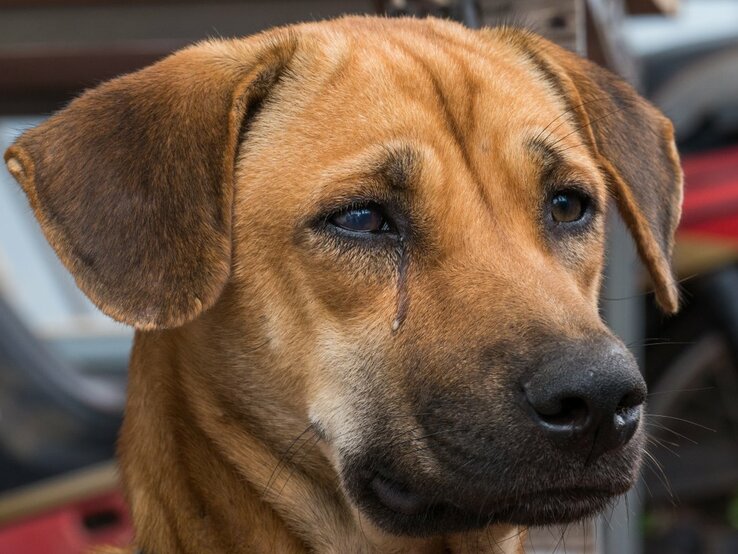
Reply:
x=403, y=509
x=398, y=497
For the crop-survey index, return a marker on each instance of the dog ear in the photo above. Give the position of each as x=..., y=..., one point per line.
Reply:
x=133, y=181
x=634, y=145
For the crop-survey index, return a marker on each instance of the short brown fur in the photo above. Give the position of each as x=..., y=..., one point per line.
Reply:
x=186, y=200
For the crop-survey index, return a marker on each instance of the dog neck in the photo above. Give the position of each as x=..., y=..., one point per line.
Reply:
x=199, y=479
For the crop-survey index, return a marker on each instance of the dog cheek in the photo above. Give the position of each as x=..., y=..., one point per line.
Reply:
x=351, y=379
x=583, y=259
x=349, y=292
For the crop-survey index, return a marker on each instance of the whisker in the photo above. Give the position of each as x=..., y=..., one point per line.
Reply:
x=665, y=428
x=661, y=343
x=672, y=391
x=589, y=124
x=315, y=440
x=581, y=145
x=562, y=114
x=361, y=526
x=665, y=445
x=660, y=475
x=645, y=484
x=649, y=291
x=558, y=543
x=282, y=458
x=683, y=421
x=429, y=435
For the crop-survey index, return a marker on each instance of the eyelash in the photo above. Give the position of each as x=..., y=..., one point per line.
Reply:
x=389, y=210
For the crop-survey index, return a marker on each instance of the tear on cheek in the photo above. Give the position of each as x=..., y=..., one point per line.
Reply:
x=403, y=297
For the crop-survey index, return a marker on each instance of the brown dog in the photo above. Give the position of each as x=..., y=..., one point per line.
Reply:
x=363, y=258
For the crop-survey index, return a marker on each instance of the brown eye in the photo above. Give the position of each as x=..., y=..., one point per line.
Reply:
x=568, y=206
x=366, y=219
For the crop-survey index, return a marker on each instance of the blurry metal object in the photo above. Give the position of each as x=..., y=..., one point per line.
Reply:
x=693, y=413
x=688, y=65
x=469, y=13
x=642, y=7
x=398, y=8
x=720, y=290
x=693, y=376
x=605, y=40
x=684, y=372
x=561, y=21
x=58, y=491
x=53, y=417
x=704, y=93
x=618, y=531
x=464, y=11
x=50, y=50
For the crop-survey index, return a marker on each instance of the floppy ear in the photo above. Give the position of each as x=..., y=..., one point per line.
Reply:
x=634, y=145
x=133, y=181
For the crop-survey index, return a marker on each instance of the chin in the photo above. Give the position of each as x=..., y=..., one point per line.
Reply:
x=442, y=508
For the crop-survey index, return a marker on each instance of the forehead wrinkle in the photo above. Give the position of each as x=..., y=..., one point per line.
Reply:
x=454, y=127
x=340, y=63
x=554, y=84
x=392, y=166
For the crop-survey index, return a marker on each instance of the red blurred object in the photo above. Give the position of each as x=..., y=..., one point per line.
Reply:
x=72, y=529
x=711, y=195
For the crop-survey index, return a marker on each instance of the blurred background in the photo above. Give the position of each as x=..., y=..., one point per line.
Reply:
x=63, y=364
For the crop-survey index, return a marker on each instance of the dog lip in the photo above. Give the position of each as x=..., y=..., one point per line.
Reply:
x=404, y=503
x=404, y=511
x=570, y=493
x=555, y=506
x=396, y=496
x=542, y=498
x=402, y=499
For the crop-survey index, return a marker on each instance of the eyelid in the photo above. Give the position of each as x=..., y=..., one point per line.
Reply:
x=352, y=205
x=350, y=202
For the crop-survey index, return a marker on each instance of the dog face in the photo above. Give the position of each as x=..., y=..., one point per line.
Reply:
x=390, y=231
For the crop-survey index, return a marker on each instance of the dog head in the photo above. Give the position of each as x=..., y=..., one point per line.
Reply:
x=392, y=231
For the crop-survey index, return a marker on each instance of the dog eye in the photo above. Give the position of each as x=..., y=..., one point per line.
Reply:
x=568, y=206
x=364, y=219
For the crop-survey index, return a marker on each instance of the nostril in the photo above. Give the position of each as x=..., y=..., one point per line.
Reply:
x=624, y=425
x=569, y=412
x=627, y=416
x=630, y=400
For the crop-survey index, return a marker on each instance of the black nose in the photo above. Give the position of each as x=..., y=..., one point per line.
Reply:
x=587, y=397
